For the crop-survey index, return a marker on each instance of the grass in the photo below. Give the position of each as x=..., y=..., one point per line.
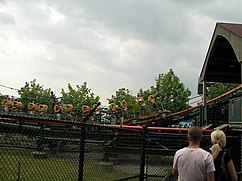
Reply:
x=20, y=165
x=17, y=164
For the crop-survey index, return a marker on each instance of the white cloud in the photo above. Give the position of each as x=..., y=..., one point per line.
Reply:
x=108, y=44
x=55, y=16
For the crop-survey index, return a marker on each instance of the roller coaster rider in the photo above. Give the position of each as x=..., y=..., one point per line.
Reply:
x=85, y=110
x=97, y=113
x=43, y=109
x=31, y=107
x=124, y=107
x=152, y=101
x=7, y=104
x=58, y=109
x=142, y=105
x=114, y=112
x=69, y=110
x=17, y=105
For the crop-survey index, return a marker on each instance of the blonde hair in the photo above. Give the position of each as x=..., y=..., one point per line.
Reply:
x=218, y=139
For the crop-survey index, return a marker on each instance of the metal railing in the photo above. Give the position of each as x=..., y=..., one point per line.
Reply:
x=43, y=149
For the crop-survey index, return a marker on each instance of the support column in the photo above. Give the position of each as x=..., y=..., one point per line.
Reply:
x=241, y=91
x=205, y=112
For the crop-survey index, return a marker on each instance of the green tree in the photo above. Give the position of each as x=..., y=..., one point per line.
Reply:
x=33, y=91
x=217, y=89
x=79, y=96
x=145, y=94
x=127, y=95
x=171, y=93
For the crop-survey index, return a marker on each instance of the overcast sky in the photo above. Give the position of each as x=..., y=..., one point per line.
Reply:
x=109, y=44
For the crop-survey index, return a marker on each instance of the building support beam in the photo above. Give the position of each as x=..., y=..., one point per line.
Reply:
x=205, y=112
x=241, y=94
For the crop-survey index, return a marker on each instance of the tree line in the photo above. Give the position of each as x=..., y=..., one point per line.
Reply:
x=171, y=94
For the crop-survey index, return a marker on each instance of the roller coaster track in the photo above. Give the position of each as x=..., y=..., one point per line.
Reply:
x=172, y=118
x=186, y=111
x=49, y=130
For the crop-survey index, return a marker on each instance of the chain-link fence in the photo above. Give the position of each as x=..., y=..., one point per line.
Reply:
x=36, y=150
x=44, y=149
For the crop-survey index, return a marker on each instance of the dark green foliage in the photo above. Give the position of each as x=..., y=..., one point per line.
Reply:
x=217, y=89
x=172, y=94
x=125, y=94
x=79, y=96
x=33, y=91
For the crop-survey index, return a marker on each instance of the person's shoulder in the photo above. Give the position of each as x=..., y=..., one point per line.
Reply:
x=227, y=154
x=181, y=150
x=206, y=151
x=185, y=148
x=226, y=150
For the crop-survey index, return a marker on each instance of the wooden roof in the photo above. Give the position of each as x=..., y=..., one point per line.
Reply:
x=224, y=56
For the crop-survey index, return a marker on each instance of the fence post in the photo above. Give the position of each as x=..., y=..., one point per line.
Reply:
x=82, y=143
x=142, y=154
x=18, y=171
x=81, y=156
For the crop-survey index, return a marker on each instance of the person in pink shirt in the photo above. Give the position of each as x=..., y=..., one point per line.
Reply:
x=193, y=163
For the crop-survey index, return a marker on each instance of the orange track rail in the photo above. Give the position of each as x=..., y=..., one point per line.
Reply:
x=195, y=107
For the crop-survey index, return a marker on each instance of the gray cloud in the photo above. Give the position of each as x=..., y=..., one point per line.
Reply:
x=109, y=44
x=6, y=19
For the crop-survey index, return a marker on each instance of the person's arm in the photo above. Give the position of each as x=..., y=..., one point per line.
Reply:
x=175, y=172
x=232, y=171
x=210, y=176
x=210, y=168
x=175, y=165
